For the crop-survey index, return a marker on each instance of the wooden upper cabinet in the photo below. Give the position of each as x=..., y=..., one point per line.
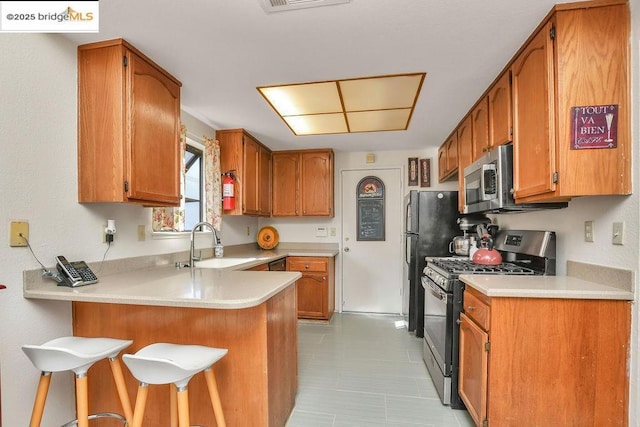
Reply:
x=500, y=111
x=126, y=154
x=534, y=140
x=316, y=183
x=249, y=158
x=302, y=183
x=264, y=182
x=465, y=156
x=251, y=162
x=448, y=158
x=442, y=162
x=578, y=58
x=480, y=128
x=284, y=195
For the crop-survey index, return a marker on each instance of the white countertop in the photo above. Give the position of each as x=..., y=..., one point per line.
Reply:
x=168, y=286
x=543, y=287
x=165, y=285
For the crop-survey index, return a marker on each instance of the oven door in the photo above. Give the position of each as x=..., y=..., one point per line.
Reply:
x=438, y=313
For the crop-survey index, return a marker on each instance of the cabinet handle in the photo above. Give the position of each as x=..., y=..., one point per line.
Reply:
x=471, y=308
x=306, y=266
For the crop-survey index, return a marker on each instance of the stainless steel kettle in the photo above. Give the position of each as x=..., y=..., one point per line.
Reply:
x=460, y=245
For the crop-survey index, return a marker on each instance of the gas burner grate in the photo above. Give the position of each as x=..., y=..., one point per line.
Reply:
x=465, y=266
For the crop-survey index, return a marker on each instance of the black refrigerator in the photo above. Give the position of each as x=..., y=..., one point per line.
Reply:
x=430, y=224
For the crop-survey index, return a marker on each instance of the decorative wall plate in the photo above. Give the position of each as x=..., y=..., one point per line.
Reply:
x=268, y=237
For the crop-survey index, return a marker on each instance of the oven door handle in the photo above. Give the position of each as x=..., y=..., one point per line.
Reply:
x=438, y=293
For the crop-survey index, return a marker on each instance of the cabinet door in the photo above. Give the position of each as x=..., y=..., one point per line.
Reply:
x=312, y=296
x=442, y=162
x=452, y=155
x=154, y=125
x=250, y=161
x=284, y=196
x=533, y=121
x=316, y=183
x=465, y=157
x=480, y=128
x=500, y=116
x=472, y=374
x=264, y=182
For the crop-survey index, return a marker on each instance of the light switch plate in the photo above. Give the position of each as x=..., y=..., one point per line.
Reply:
x=617, y=237
x=588, y=231
x=16, y=228
x=321, y=232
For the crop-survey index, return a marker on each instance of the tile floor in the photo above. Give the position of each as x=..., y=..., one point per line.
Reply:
x=361, y=371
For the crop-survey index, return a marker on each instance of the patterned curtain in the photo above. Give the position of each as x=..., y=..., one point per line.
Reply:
x=172, y=218
x=212, y=182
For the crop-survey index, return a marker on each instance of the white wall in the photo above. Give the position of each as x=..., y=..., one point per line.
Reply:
x=38, y=111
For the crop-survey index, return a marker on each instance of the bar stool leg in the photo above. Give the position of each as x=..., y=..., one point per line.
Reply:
x=82, y=400
x=173, y=391
x=141, y=402
x=41, y=398
x=183, y=407
x=116, y=369
x=214, y=396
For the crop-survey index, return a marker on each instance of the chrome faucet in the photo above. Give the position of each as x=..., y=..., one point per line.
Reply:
x=216, y=241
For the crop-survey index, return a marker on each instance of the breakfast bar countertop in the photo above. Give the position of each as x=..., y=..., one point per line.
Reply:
x=228, y=287
x=169, y=286
x=543, y=287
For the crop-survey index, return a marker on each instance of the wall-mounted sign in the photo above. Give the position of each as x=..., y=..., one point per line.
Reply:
x=370, y=212
x=425, y=172
x=412, y=170
x=594, y=126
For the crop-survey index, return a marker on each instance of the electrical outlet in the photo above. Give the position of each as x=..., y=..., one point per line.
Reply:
x=142, y=233
x=588, y=231
x=618, y=233
x=248, y=231
x=332, y=231
x=16, y=229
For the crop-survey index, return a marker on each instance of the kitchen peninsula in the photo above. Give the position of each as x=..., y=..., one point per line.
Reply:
x=251, y=313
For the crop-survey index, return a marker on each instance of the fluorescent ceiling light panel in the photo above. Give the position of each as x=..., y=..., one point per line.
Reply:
x=368, y=104
x=317, y=124
x=299, y=99
x=380, y=93
x=381, y=120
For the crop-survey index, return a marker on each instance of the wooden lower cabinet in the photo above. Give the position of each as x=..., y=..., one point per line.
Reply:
x=316, y=287
x=544, y=361
x=257, y=379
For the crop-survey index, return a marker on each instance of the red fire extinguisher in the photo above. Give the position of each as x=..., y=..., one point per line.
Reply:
x=228, y=190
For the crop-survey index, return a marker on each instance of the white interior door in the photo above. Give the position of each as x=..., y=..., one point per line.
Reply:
x=372, y=270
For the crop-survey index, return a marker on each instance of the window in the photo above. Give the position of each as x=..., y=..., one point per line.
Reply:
x=194, y=185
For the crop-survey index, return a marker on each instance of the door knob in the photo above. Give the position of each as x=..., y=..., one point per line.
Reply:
x=346, y=249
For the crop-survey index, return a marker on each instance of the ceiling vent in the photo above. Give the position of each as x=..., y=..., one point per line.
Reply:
x=284, y=5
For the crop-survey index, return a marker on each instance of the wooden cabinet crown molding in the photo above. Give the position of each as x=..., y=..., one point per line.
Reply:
x=117, y=84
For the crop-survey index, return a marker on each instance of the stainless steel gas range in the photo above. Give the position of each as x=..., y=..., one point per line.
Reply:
x=524, y=252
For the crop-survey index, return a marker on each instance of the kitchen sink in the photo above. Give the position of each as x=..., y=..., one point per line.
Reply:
x=222, y=262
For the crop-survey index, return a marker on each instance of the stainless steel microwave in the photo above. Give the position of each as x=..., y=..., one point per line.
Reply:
x=488, y=185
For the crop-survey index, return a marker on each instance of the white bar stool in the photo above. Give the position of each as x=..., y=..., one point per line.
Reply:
x=163, y=363
x=77, y=354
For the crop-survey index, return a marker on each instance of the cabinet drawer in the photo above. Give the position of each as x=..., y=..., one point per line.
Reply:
x=303, y=264
x=477, y=310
